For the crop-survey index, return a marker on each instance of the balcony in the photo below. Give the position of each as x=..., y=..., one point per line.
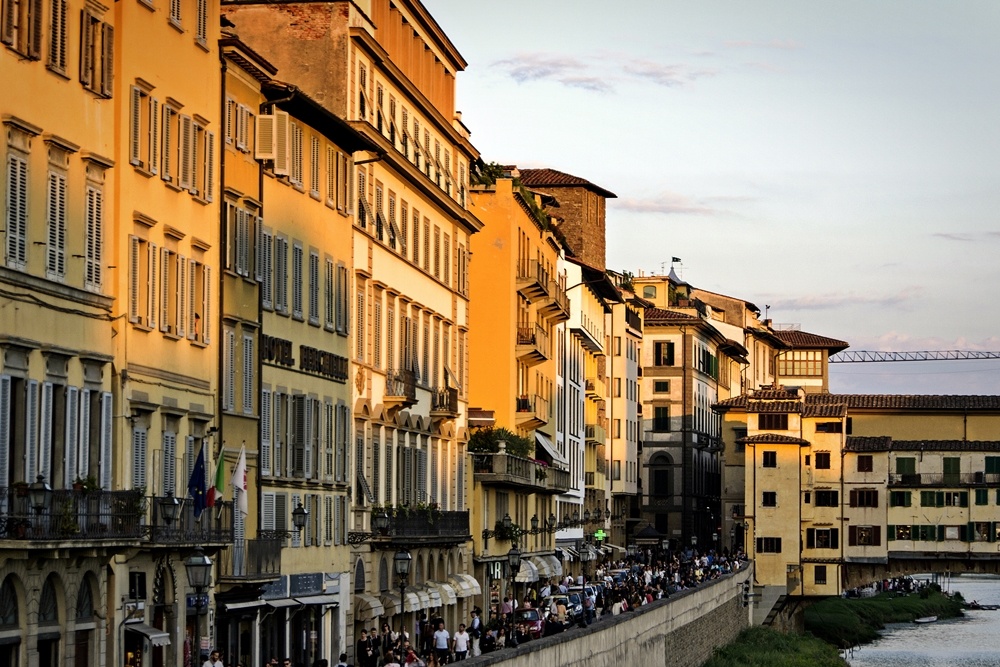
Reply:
x=595, y=388
x=213, y=528
x=532, y=279
x=84, y=517
x=444, y=403
x=400, y=388
x=513, y=472
x=411, y=528
x=250, y=561
x=532, y=345
x=596, y=433
x=556, y=305
x=531, y=411
x=633, y=320
x=590, y=333
x=945, y=479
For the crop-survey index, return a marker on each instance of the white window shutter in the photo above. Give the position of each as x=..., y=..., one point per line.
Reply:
x=180, y=296
x=139, y=457
x=191, y=299
x=190, y=453
x=209, y=166
x=135, y=128
x=296, y=534
x=307, y=531
x=229, y=370
x=206, y=318
x=186, y=152
x=151, y=258
x=55, y=251
x=133, y=280
x=328, y=436
x=71, y=437
x=282, y=142
x=258, y=249
x=31, y=432
x=308, y=430
x=164, y=289
x=267, y=511
x=264, y=138
x=248, y=375
x=169, y=462
x=328, y=518
x=83, y=460
x=154, y=139
x=107, y=59
x=106, y=462
x=45, y=433
x=265, y=432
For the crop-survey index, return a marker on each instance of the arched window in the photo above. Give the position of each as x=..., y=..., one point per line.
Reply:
x=49, y=629
x=359, y=577
x=649, y=292
x=86, y=624
x=661, y=477
x=383, y=575
x=9, y=620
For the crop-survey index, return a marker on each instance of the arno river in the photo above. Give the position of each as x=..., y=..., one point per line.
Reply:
x=971, y=641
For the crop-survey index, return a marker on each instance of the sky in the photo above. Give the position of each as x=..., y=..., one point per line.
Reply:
x=836, y=161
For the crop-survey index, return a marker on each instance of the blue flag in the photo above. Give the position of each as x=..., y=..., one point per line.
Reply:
x=196, y=485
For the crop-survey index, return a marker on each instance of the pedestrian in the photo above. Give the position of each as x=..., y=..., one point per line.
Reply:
x=214, y=659
x=390, y=660
x=412, y=660
x=506, y=609
x=442, y=640
x=343, y=660
x=476, y=633
x=461, y=643
x=363, y=653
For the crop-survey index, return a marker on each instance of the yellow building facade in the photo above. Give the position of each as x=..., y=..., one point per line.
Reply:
x=513, y=350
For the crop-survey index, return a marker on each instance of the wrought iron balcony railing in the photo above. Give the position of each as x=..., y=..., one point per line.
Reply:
x=72, y=516
x=251, y=559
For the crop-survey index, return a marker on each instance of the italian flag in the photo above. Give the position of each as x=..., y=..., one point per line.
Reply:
x=215, y=493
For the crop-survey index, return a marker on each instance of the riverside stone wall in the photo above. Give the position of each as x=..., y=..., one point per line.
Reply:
x=680, y=631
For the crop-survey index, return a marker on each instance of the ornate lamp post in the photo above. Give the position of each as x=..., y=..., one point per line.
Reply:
x=401, y=565
x=299, y=517
x=170, y=508
x=40, y=495
x=199, y=572
x=514, y=564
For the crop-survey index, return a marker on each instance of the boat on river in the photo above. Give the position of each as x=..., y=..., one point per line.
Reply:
x=925, y=619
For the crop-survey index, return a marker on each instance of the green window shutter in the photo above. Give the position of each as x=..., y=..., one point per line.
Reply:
x=890, y=533
x=834, y=538
x=992, y=465
x=964, y=532
x=982, y=496
x=907, y=495
x=810, y=538
x=940, y=533
x=964, y=498
x=852, y=536
x=939, y=499
x=992, y=537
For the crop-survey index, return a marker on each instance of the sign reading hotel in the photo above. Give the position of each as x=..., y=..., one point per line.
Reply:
x=278, y=352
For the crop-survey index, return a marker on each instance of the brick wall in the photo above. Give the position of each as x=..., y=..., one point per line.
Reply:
x=580, y=218
x=681, y=631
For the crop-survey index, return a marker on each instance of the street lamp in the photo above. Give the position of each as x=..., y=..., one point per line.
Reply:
x=514, y=563
x=586, y=516
x=299, y=517
x=576, y=516
x=170, y=507
x=732, y=538
x=380, y=522
x=694, y=541
x=534, y=523
x=199, y=572
x=715, y=540
x=40, y=495
x=607, y=513
x=401, y=564
x=552, y=521
x=506, y=522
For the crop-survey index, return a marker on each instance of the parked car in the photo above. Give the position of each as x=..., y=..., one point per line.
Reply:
x=574, y=612
x=576, y=603
x=529, y=623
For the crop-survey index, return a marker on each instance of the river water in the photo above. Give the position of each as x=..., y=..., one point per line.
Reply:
x=970, y=641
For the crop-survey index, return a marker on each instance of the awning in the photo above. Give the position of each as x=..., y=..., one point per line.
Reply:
x=281, y=603
x=319, y=599
x=465, y=585
x=615, y=547
x=543, y=441
x=528, y=574
x=367, y=607
x=434, y=595
x=447, y=593
x=249, y=604
x=571, y=553
x=155, y=636
x=390, y=602
x=543, y=567
x=555, y=565
x=423, y=596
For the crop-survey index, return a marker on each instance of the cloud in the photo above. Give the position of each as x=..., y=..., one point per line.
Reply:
x=593, y=83
x=966, y=237
x=668, y=203
x=534, y=66
x=667, y=75
x=783, y=44
x=835, y=300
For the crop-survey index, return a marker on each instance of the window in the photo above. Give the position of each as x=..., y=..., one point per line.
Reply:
x=981, y=532
x=801, y=362
x=144, y=124
x=661, y=386
x=769, y=545
x=772, y=422
x=899, y=498
x=906, y=465
x=94, y=247
x=952, y=469
x=281, y=275
x=826, y=498
x=21, y=27
x=992, y=465
x=822, y=538
x=17, y=211
x=982, y=496
x=142, y=273
x=314, y=288
x=956, y=499
x=864, y=498
x=900, y=532
x=201, y=29
x=96, y=54
x=663, y=353
x=295, y=170
x=822, y=460
x=661, y=419
x=770, y=459
x=864, y=536
x=819, y=574
x=865, y=463
x=830, y=427
x=55, y=224
x=769, y=499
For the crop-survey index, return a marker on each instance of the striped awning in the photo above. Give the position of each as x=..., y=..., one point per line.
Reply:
x=432, y=593
x=367, y=607
x=445, y=591
x=422, y=595
x=543, y=567
x=555, y=564
x=465, y=585
x=528, y=572
x=390, y=602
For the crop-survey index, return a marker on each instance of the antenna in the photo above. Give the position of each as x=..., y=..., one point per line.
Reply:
x=767, y=307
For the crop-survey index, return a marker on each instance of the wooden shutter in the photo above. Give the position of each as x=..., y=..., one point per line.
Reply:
x=169, y=462
x=854, y=497
x=209, y=164
x=31, y=432
x=165, y=290
x=71, y=435
x=86, y=47
x=45, y=433
x=310, y=428
x=852, y=536
x=133, y=280
x=267, y=511
x=185, y=152
x=281, y=143
x=83, y=464
x=810, y=538
x=55, y=251
x=153, y=135
x=139, y=447
x=248, y=374
x=107, y=59
x=834, y=538
x=95, y=214
x=135, y=128
x=5, y=409
x=265, y=432
x=230, y=370
x=168, y=118
x=296, y=534
x=206, y=320
x=264, y=138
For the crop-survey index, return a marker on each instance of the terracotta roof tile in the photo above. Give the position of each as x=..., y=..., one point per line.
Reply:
x=947, y=445
x=860, y=443
x=804, y=339
x=771, y=439
x=661, y=316
x=774, y=406
x=907, y=401
x=824, y=410
x=734, y=402
x=555, y=178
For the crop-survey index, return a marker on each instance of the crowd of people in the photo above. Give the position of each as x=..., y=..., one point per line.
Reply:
x=617, y=586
